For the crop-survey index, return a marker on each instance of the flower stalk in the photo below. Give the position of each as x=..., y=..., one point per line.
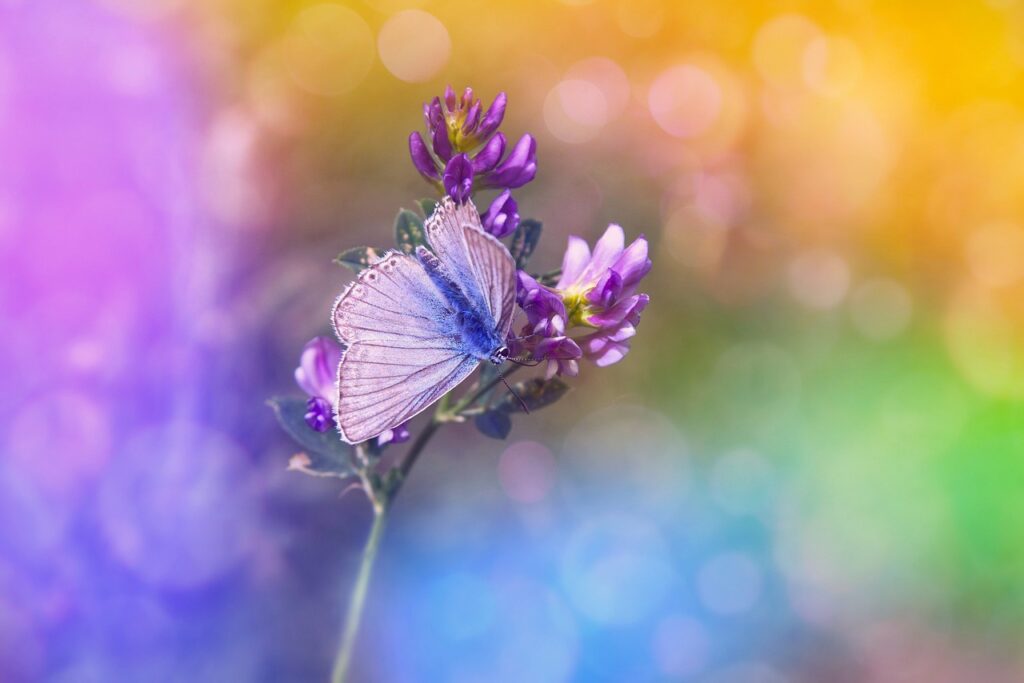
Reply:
x=357, y=598
x=381, y=492
x=586, y=310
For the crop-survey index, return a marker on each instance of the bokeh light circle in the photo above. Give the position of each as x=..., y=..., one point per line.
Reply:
x=818, y=278
x=465, y=606
x=608, y=77
x=995, y=253
x=779, y=49
x=329, y=49
x=526, y=471
x=575, y=110
x=616, y=569
x=832, y=65
x=985, y=336
x=881, y=309
x=628, y=452
x=681, y=645
x=62, y=440
x=729, y=583
x=414, y=45
x=685, y=100
x=738, y=481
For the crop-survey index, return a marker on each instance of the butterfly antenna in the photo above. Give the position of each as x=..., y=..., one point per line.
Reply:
x=519, y=398
x=524, y=361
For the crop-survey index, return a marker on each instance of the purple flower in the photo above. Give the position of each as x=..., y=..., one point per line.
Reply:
x=458, y=178
x=459, y=127
x=517, y=169
x=598, y=291
x=610, y=344
x=502, y=217
x=421, y=158
x=543, y=336
x=318, y=367
x=319, y=415
x=316, y=375
x=399, y=434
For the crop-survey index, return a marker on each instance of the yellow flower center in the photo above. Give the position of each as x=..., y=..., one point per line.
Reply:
x=576, y=309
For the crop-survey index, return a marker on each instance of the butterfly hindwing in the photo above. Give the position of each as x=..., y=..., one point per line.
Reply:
x=481, y=265
x=403, y=348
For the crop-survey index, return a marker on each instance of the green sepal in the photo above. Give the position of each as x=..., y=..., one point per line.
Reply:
x=536, y=393
x=427, y=206
x=358, y=258
x=494, y=423
x=324, y=453
x=525, y=240
x=409, y=232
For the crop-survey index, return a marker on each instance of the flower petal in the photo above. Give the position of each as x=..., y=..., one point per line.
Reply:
x=615, y=314
x=318, y=414
x=421, y=158
x=606, y=252
x=317, y=367
x=487, y=157
x=633, y=264
x=502, y=215
x=472, y=118
x=493, y=117
x=577, y=256
x=607, y=290
x=458, y=178
x=518, y=168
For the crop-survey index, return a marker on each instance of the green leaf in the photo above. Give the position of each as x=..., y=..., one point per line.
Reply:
x=427, y=205
x=358, y=258
x=409, y=231
x=550, y=278
x=325, y=453
x=494, y=423
x=536, y=393
x=524, y=241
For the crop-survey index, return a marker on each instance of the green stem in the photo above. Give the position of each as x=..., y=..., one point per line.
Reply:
x=473, y=397
x=417, y=448
x=358, y=596
x=381, y=500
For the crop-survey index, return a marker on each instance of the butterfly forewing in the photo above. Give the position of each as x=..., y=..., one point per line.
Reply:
x=482, y=266
x=403, y=350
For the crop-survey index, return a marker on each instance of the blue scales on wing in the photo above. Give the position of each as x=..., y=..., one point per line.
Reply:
x=480, y=264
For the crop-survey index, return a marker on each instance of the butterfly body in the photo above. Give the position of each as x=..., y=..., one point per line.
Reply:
x=415, y=326
x=472, y=329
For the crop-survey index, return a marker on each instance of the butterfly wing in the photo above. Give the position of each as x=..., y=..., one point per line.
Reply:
x=403, y=349
x=481, y=264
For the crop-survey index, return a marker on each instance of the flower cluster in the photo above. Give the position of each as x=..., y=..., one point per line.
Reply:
x=318, y=367
x=590, y=312
x=596, y=293
x=467, y=153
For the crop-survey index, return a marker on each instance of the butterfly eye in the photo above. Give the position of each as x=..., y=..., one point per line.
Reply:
x=500, y=355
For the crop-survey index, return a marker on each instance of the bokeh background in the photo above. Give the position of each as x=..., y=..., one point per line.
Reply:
x=809, y=468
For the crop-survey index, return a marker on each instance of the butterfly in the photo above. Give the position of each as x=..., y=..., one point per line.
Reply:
x=414, y=326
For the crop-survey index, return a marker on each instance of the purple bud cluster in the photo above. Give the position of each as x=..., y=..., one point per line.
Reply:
x=467, y=153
